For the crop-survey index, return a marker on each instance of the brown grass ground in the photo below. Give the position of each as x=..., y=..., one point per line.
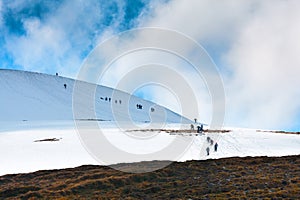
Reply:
x=229, y=178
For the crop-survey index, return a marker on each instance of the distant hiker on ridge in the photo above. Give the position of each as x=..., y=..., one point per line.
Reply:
x=65, y=85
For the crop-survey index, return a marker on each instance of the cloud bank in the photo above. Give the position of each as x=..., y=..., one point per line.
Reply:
x=50, y=36
x=255, y=45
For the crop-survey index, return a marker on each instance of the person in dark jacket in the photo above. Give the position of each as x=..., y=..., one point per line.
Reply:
x=207, y=151
x=208, y=139
x=199, y=129
x=65, y=85
x=216, y=147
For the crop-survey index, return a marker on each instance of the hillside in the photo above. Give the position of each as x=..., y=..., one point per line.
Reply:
x=236, y=178
x=28, y=96
x=39, y=146
x=37, y=130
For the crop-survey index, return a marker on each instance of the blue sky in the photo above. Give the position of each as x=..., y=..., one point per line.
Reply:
x=254, y=44
x=74, y=20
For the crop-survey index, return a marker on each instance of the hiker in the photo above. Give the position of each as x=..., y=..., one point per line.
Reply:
x=207, y=151
x=195, y=120
x=120, y=101
x=192, y=127
x=199, y=129
x=105, y=98
x=211, y=142
x=65, y=85
x=208, y=139
x=56, y=74
x=109, y=99
x=139, y=106
x=216, y=147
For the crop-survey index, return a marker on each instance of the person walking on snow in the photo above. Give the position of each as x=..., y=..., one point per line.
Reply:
x=216, y=147
x=192, y=127
x=207, y=151
x=208, y=139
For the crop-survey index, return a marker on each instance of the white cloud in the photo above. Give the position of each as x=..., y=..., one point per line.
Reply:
x=265, y=64
x=39, y=47
x=259, y=45
x=204, y=20
x=60, y=40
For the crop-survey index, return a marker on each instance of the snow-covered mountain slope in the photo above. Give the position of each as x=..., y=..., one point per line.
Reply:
x=37, y=129
x=27, y=96
x=55, y=148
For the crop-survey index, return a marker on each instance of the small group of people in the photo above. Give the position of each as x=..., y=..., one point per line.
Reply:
x=199, y=128
x=120, y=102
x=139, y=106
x=211, y=142
x=109, y=100
x=106, y=99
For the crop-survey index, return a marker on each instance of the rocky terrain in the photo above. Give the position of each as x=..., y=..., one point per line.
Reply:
x=235, y=178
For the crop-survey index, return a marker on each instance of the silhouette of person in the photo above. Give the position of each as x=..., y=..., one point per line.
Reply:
x=216, y=147
x=208, y=139
x=207, y=151
x=192, y=127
